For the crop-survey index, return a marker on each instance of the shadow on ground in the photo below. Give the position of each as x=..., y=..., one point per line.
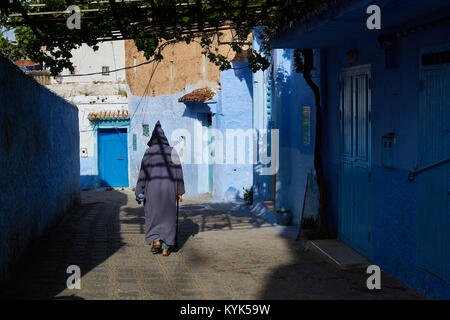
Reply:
x=104, y=236
x=199, y=216
x=187, y=228
x=307, y=276
x=86, y=237
x=214, y=216
x=224, y=252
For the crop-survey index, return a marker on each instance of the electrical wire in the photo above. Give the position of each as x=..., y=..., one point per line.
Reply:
x=115, y=70
x=160, y=48
x=144, y=95
x=139, y=103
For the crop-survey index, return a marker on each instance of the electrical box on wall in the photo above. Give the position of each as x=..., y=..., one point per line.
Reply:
x=388, y=150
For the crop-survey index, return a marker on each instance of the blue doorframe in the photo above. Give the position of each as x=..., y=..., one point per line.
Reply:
x=210, y=155
x=112, y=156
x=206, y=121
x=433, y=223
x=355, y=157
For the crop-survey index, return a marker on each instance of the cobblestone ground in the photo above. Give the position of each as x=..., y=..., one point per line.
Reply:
x=225, y=253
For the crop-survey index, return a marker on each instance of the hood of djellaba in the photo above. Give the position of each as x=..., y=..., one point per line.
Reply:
x=158, y=136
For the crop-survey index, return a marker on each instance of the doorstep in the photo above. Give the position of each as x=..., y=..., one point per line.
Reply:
x=338, y=253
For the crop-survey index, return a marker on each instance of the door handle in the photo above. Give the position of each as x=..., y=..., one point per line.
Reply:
x=119, y=159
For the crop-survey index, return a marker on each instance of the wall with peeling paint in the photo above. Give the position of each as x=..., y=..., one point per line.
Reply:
x=173, y=116
x=231, y=108
x=39, y=161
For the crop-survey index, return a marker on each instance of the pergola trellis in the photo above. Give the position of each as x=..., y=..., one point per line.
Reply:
x=130, y=19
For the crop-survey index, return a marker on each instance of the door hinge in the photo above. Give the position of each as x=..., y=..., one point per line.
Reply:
x=368, y=236
x=370, y=116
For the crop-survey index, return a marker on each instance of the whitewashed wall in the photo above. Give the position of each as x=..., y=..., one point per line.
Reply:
x=86, y=60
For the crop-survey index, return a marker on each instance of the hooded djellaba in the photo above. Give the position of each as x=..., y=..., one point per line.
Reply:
x=161, y=182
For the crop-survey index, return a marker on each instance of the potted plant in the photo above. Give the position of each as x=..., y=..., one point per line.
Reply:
x=284, y=217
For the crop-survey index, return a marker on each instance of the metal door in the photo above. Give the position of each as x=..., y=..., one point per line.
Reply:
x=433, y=173
x=355, y=157
x=113, y=157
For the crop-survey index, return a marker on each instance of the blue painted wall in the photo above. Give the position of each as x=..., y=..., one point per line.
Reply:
x=231, y=108
x=261, y=182
x=172, y=115
x=289, y=95
x=393, y=199
x=395, y=103
x=88, y=173
x=39, y=160
x=234, y=112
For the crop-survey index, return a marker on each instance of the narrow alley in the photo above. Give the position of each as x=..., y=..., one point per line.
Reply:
x=272, y=121
x=224, y=252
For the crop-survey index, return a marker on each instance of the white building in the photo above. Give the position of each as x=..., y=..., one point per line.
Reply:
x=100, y=94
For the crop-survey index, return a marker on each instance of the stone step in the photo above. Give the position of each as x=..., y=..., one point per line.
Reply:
x=338, y=253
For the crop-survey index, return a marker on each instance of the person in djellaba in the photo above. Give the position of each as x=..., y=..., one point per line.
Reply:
x=160, y=184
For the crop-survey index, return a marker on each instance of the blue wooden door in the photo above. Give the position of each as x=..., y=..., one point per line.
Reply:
x=113, y=157
x=355, y=158
x=434, y=176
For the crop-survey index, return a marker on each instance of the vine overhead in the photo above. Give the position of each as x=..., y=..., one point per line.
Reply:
x=42, y=33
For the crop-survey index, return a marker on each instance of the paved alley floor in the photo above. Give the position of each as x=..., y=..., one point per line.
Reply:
x=225, y=253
